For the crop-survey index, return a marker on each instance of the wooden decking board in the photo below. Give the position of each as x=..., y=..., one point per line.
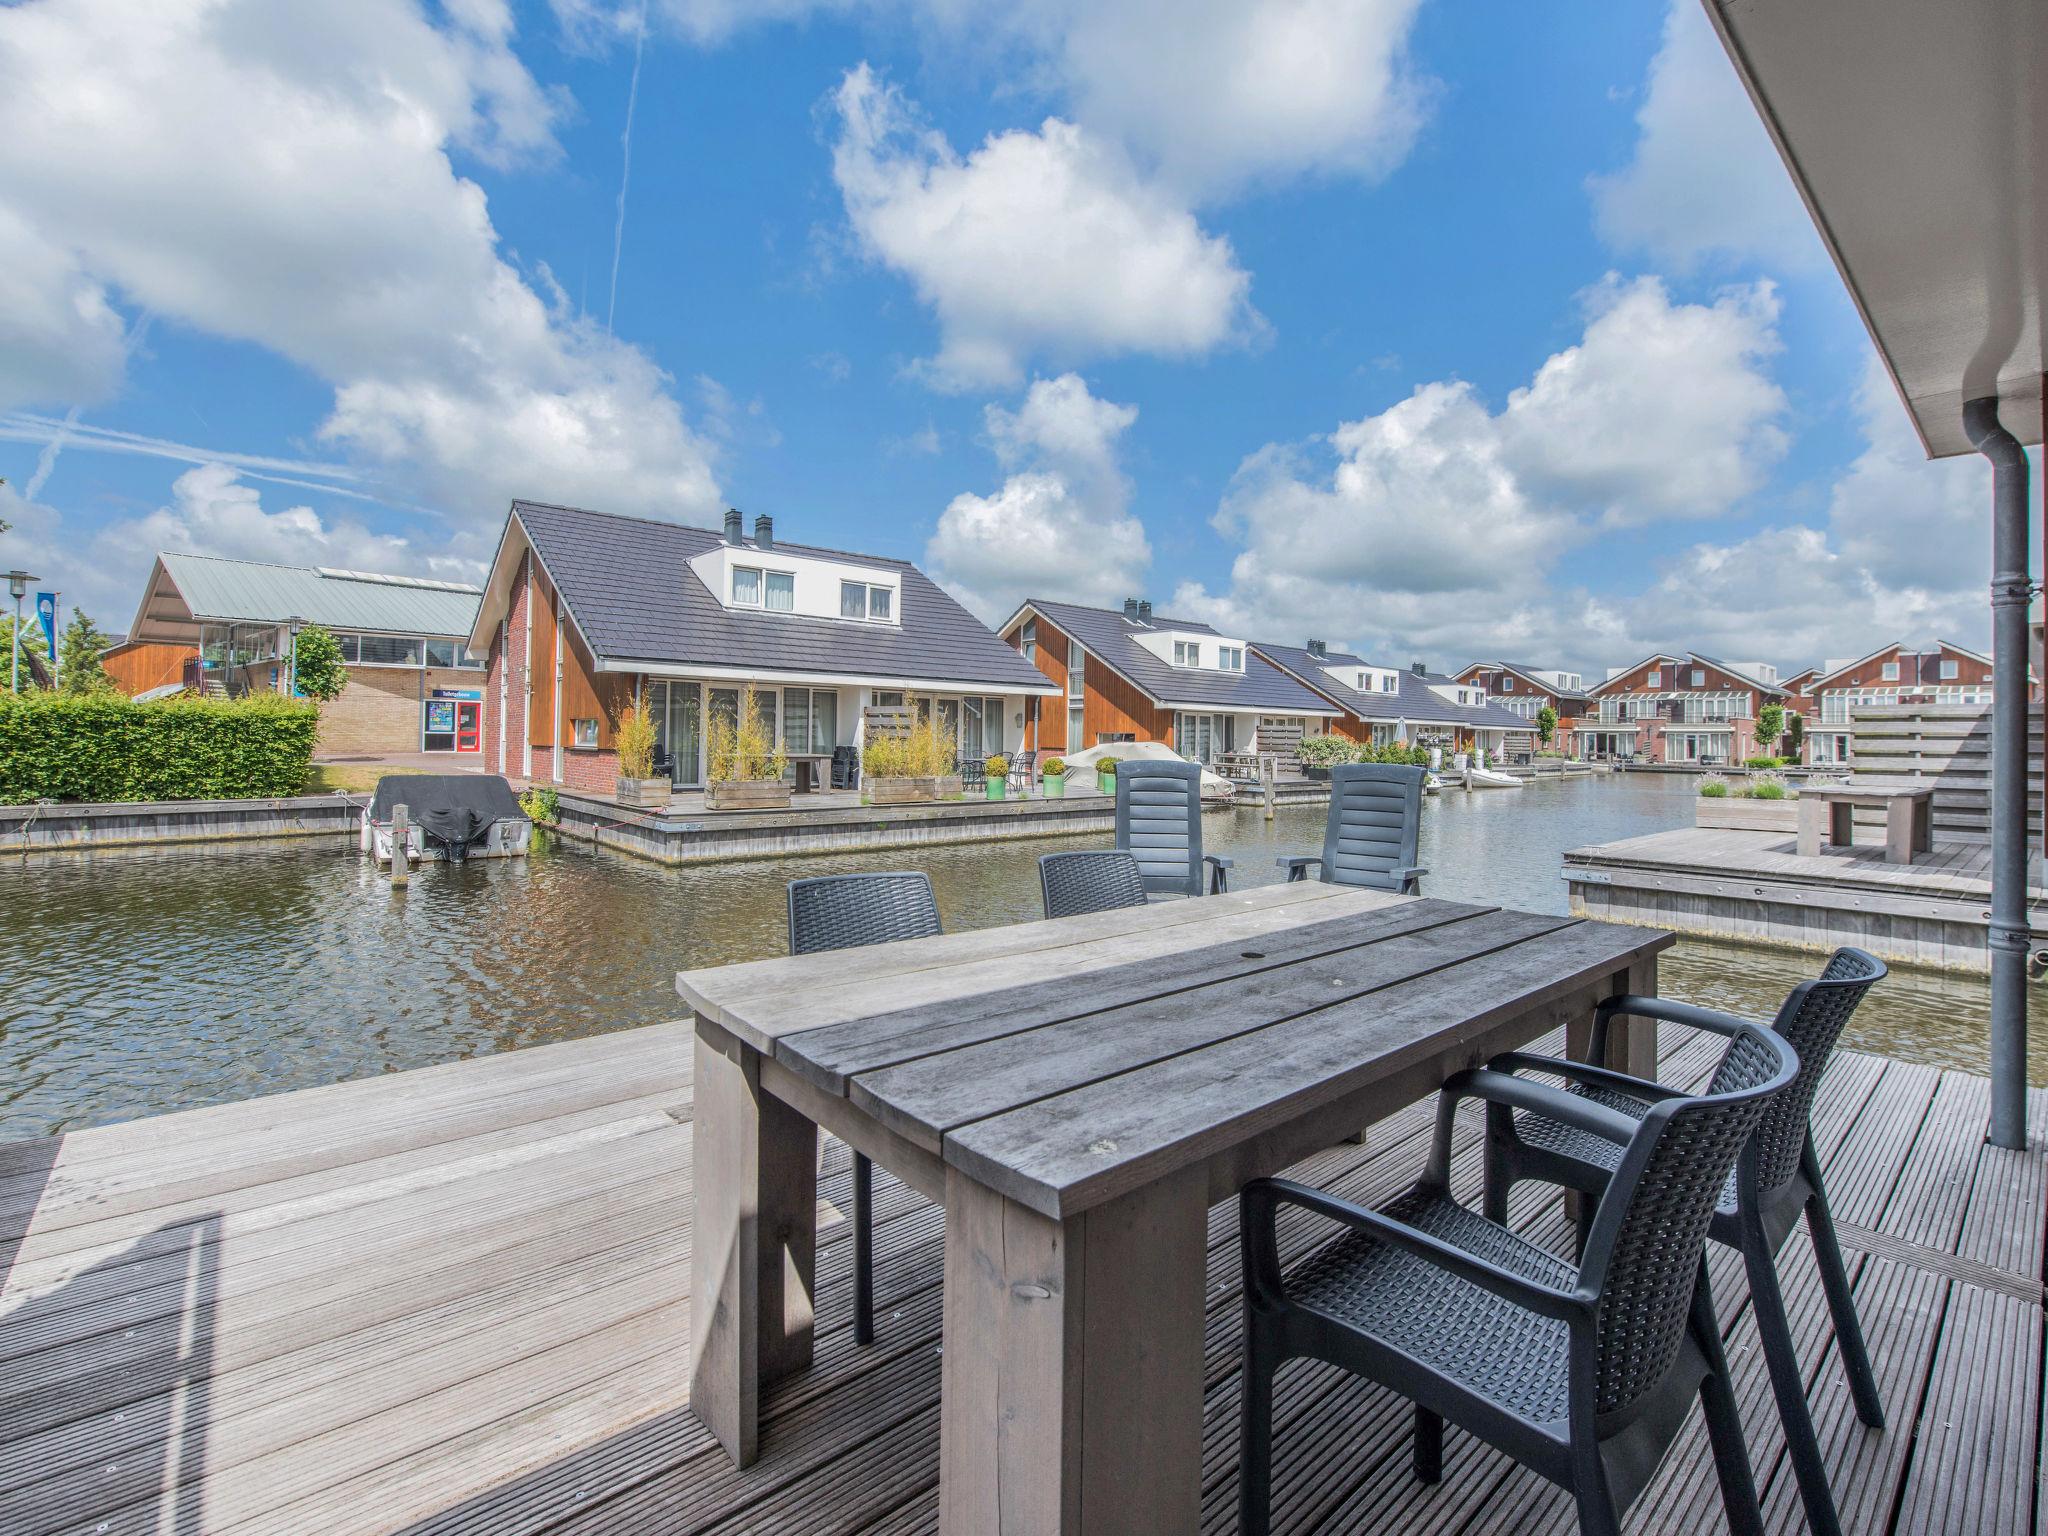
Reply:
x=548, y=1395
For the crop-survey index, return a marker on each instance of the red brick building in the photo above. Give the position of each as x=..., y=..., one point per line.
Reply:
x=1679, y=708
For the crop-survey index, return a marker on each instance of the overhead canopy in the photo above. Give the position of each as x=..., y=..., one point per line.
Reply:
x=186, y=591
x=1917, y=133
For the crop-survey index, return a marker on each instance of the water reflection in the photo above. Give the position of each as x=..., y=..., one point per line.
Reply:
x=137, y=983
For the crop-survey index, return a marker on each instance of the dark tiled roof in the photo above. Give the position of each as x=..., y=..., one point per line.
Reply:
x=1416, y=702
x=633, y=594
x=1105, y=633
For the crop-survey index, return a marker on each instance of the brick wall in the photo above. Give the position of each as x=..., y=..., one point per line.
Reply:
x=593, y=770
x=378, y=713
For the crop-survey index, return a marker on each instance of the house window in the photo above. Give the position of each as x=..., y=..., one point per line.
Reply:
x=781, y=591
x=1891, y=671
x=390, y=651
x=1507, y=685
x=1231, y=658
x=888, y=698
x=1187, y=653
x=1076, y=671
x=1388, y=683
x=1655, y=679
x=351, y=647
x=858, y=600
x=746, y=586
x=1948, y=669
x=586, y=732
x=1699, y=677
x=1027, y=640
x=810, y=719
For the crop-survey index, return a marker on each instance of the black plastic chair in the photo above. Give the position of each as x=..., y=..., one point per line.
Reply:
x=1759, y=1206
x=1096, y=880
x=1159, y=823
x=1373, y=831
x=1583, y=1374
x=845, y=912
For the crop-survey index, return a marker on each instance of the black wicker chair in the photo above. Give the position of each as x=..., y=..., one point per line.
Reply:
x=1583, y=1374
x=1373, y=830
x=1760, y=1204
x=844, y=912
x=1097, y=880
x=1159, y=823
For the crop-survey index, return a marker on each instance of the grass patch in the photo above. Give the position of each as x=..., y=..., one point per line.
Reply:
x=350, y=778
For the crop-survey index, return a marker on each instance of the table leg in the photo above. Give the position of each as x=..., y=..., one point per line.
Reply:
x=1898, y=831
x=1072, y=1385
x=1842, y=823
x=1813, y=826
x=753, y=1240
x=1923, y=824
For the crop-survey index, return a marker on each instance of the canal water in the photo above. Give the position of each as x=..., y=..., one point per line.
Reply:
x=138, y=983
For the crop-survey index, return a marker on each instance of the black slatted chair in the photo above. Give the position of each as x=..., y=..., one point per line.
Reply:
x=1373, y=831
x=1585, y=1373
x=1760, y=1204
x=1159, y=823
x=844, y=912
x=1096, y=880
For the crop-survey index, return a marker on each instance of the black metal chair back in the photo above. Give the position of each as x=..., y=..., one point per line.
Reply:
x=1375, y=825
x=1642, y=1254
x=843, y=911
x=1023, y=765
x=1159, y=822
x=1096, y=880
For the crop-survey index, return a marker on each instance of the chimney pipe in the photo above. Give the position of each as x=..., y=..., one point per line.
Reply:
x=1145, y=610
x=1130, y=607
x=764, y=531
x=1319, y=648
x=732, y=526
x=1421, y=669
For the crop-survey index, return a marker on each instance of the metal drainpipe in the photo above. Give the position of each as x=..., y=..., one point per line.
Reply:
x=2011, y=594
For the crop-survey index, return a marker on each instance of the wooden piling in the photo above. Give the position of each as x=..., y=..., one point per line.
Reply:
x=1267, y=770
x=401, y=835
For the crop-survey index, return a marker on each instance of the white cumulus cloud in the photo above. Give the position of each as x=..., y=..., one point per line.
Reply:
x=1042, y=242
x=286, y=176
x=1060, y=525
x=1705, y=179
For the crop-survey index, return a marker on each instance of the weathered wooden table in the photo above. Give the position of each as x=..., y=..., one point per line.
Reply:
x=1077, y=1094
x=1827, y=815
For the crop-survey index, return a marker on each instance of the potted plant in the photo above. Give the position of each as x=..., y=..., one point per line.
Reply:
x=1318, y=753
x=903, y=766
x=1055, y=771
x=633, y=736
x=1105, y=775
x=745, y=759
x=998, y=770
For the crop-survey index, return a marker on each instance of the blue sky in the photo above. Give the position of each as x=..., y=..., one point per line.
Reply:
x=1443, y=331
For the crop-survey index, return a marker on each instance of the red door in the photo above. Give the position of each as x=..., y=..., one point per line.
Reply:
x=469, y=734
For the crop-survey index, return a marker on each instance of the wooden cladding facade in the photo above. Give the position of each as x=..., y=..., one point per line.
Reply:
x=540, y=657
x=1110, y=705
x=146, y=664
x=587, y=693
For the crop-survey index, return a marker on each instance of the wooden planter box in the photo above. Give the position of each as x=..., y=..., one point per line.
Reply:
x=1733, y=815
x=902, y=789
x=747, y=795
x=648, y=794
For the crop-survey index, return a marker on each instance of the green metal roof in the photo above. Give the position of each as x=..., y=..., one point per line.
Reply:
x=243, y=591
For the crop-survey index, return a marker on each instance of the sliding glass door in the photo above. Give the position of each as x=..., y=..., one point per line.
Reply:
x=678, y=729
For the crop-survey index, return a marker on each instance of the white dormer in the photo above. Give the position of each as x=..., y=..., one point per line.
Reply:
x=1462, y=694
x=1367, y=679
x=747, y=578
x=1191, y=650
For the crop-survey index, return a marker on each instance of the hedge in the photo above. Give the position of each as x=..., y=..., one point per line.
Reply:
x=101, y=747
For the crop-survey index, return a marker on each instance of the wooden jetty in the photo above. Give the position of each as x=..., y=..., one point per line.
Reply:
x=452, y=1302
x=1754, y=887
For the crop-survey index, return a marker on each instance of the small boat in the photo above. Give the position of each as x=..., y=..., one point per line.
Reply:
x=450, y=816
x=1486, y=778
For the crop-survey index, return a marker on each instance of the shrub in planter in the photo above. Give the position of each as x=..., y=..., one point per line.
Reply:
x=633, y=735
x=1054, y=770
x=745, y=758
x=1714, y=787
x=1769, y=790
x=998, y=771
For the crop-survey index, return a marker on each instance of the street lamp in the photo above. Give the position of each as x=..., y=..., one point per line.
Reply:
x=17, y=587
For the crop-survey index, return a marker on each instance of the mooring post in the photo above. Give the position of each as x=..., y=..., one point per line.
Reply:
x=1267, y=766
x=401, y=834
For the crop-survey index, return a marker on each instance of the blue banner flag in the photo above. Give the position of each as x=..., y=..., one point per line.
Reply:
x=46, y=615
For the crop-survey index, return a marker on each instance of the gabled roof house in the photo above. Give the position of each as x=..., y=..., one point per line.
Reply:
x=1398, y=704
x=1131, y=674
x=1680, y=708
x=585, y=610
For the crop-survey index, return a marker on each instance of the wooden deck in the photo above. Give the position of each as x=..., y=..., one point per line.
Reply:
x=453, y=1302
x=1754, y=887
